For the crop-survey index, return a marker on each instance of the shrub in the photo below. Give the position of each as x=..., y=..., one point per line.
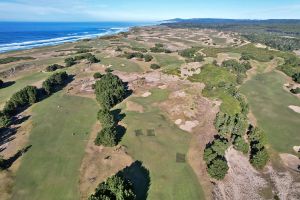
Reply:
x=148, y=58
x=115, y=187
x=154, y=66
x=106, y=118
x=55, y=82
x=70, y=62
x=20, y=99
x=5, y=120
x=54, y=67
x=106, y=137
x=110, y=90
x=1, y=84
x=295, y=91
x=240, y=144
x=259, y=159
x=14, y=59
x=97, y=75
x=296, y=77
x=218, y=169
x=109, y=70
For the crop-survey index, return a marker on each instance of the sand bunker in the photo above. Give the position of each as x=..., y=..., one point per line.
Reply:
x=296, y=149
x=295, y=108
x=189, y=125
x=291, y=161
x=135, y=107
x=146, y=94
x=178, y=121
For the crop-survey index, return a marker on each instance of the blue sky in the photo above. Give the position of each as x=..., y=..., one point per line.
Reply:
x=140, y=10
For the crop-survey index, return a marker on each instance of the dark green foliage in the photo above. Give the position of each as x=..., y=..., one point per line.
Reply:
x=109, y=70
x=159, y=48
x=114, y=188
x=259, y=155
x=55, y=82
x=154, y=66
x=209, y=155
x=54, y=67
x=192, y=54
x=14, y=59
x=70, y=62
x=5, y=120
x=148, y=57
x=110, y=90
x=296, y=77
x=245, y=56
x=236, y=67
x=97, y=75
x=295, y=91
x=106, y=118
x=83, y=50
x=88, y=56
x=107, y=137
x=134, y=55
x=1, y=83
x=218, y=169
x=219, y=146
x=25, y=97
x=240, y=144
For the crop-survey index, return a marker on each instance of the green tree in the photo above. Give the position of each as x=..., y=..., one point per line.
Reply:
x=260, y=158
x=218, y=169
x=106, y=118
x=154, y=66
x=106, y=137
x=97, y=75
x=148, y=58
x=70, y=62
x=5, y=120
x=114, y=188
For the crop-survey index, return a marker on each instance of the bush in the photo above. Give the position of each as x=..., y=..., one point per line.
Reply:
x=55, y=82
x=5, y=120
x=295, y=91
x=296, y=77
x=14, y=59
x=106, y=137
x=134, y=55
x=106, y=118
x=148, y=58
x=54, y=67
x=154, y=66
x=22, y=98
x=240, y=144
x=110, y=90
x=259, y=159
x=1, y=84
x=218, y=169
x=115, y=187
x=97, y=75
x=70, y=62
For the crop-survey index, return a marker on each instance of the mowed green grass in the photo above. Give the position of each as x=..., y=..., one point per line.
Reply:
x=121, y=64
x=169, y=179
x=269, y=102
x=6, y=93
x=50, y=169
x=167, y=61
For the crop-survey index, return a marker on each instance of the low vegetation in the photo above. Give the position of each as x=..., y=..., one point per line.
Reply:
x=55, y=82
x=159, y=48
x=54, y=67
x=88, y=56
x=192, y=54
x=97, y=75
x=154, y=66
x=14, y=59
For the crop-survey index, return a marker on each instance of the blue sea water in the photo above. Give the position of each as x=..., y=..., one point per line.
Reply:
x=26, y=35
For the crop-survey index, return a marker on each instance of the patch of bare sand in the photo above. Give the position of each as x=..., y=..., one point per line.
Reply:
x=295, y=108
x=135, y=107
x=189, y=125
x=146, y=94
x=291, y=161
x=99, y=163
x=242, y=180
x=296, y=149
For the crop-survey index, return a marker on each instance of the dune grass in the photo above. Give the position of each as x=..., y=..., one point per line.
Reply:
x=269, y=102
x=50, y=169
x=169, y=179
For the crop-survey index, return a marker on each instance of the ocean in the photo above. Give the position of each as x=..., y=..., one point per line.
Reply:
x=27, y=35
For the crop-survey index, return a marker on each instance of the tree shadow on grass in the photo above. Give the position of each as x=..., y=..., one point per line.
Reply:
x=8, y=162
x=7, y=84
x=7, y=135
x=139, y=176
x=118, y=116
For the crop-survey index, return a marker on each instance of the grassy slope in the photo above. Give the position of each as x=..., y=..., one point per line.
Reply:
x=269, y=103
x=117, y=63
x=169, y=180
x=49, y=170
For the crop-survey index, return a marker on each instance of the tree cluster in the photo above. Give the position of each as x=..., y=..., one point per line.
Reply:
x=25, y=97
x=192, y=55
x=55, y=82
x=291, y=67
x=138, y=55
x=116, y=187
x=159, y=48
x=54, y=67
x=239, y=69
x=110, y=90
x=107, y=135
x=258, y=155
x=88, y=56
x=214, y=157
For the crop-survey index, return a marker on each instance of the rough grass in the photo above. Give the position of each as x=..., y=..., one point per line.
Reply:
x=6, y=93
x=269, y=102
x=50, y=169
x=169, y=179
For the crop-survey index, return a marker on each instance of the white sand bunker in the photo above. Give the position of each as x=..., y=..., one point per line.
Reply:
x=189, y=125
x=146, y=94
x=296, y=149
x=178, y=121
x=295, y=108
